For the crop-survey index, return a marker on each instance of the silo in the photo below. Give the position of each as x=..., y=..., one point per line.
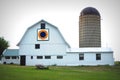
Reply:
x=89, y=28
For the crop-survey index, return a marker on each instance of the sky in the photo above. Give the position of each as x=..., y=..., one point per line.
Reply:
x=17, y=15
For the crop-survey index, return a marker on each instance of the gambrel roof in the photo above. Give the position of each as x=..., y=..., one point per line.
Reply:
x=48, y=24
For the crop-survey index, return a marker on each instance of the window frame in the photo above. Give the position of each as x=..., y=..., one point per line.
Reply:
x=14, y=57
x=31, y=57
x=37, y=46
x=81, y=56
x=7, y=57
x=42, y=25
x=39, y=57
x=47, y=57
x=98, y=56
x=59, y=57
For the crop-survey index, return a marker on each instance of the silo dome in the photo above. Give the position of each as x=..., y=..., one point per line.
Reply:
x=90, y=11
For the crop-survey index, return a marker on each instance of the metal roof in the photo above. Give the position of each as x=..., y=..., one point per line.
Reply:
x=11, y=52
x=88, y=50
x=47, y=23
x=90, y=11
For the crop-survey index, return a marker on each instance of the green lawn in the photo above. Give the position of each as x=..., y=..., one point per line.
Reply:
x=16, y=72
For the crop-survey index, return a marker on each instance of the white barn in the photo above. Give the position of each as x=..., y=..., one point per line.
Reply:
x=40, y=45
x=43, y=44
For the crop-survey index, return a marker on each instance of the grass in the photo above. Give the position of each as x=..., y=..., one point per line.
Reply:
x=16, y=72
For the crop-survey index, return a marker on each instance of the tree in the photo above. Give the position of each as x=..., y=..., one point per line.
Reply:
x=3, y=45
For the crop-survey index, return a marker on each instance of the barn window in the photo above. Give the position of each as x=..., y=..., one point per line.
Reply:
x=39, y=57
x=59, y=57
x=37, y=46
x=42, y=25
x=81, y=56
x=98, y=56
x=7, y=57
x=14, y=57
x=47, y=57
x=31, y=57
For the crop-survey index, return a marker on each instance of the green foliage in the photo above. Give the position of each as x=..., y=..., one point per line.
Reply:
x=117, y=63
x=16, y=72
x=3, y=45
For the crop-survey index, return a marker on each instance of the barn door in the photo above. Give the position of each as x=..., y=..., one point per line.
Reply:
x=22, y=60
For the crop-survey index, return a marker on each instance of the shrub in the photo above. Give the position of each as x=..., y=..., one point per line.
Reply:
x=39, y=66
x=117, y=63
x=54, y=65
x=11, y=63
